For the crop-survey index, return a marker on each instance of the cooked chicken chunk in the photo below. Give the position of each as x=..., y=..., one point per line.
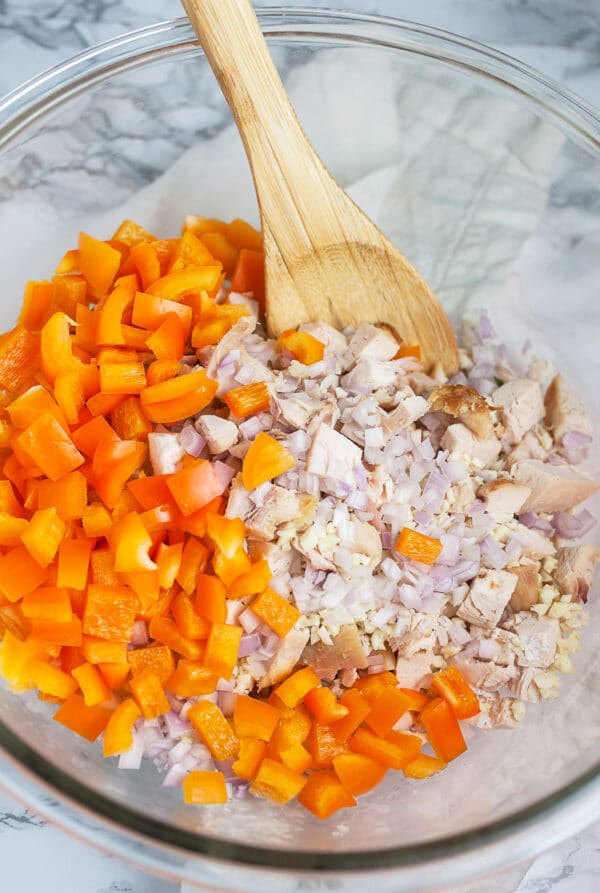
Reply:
x=239, y=504
x=459, y=442
x=346, y=653
x=503, y=498
x=333, y=455
x=281, y=506
x=497, y=712
x=335, y=342
x=410, y=407
x=372, y=342
x=565, y=410
x=413, y=671
x=522, y=406
x=553, y=487
x=466, y=405
x=485, y=674
x=530, y=447
x=370, y=374
x=287, y=655
x=282, y=560
x=487, y=597
x=166, y=452
x=538, y=637
x=220, y=434
x=575, y=570
x=527, y=590
x=534, y=544
x=296, y=410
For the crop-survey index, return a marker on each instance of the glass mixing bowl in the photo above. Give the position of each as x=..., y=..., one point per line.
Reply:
x=486, y=174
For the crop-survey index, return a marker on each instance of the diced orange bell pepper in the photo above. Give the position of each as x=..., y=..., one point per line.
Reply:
x=250, y=756
x=168, y=563
x=111, y=316
x=296, y=757
x=194, y=486
x=155, y=658
x=44, y=535
x=226, y=533
x=151, y=311
x=323, y=794
x=50, y=680
x=8, y=501
x=118, y=734
x=109, y=612
x=130, y=233
x=175, y=285
x=149, y=694
x=214, y=730
x=129, y=421
x=228, y=570
x=19, y=574
x=194, y=559
x=67, y=292
x=304, y=347
x=164, y=630
x=87, y=436
x=114, y=674
x=323, y=745
x=102, y=567
x=15, y=657
x=424, y=767
x=71, y=658
x=418, y=546
x=416, y=699
x=103, y=651
x=36, y=304
x=209, y=331
x=248, y=399
x=162, y=370
x=395, y=751
x=11, y=529
x=249, y=275
x=324, y=706
x=57, y=632
x=254, y=718
x=130, y=543
x=96, y=521
x=454, y=688
x=50, y=447
x=168, y=341
x=279, y=614
x=293, y=728
x=210, y=601
x=47, y=603
x=146, y=262
x=117, y=461
x=204, y=787
x=221, y=250
x=409, y=350
x=31, y=404
x=93, y=687
x=178, y=398
x=254, y=581
x=103, y=404
x=19, y=357
x=191, y=679
x=68, y=495
x=358, y=709
x=189, y=623
x=122, y=378
x=69, y=396
x=358, y=773
x=88, y=722
x=56, y=348
x=277, y=782
x=373, y=686
x=265, y=460
x=150, y=491
x=98, y=263
x=442, y=730
x=222, y=649
x=386, y=710
x=295, y=688
x=243, y=235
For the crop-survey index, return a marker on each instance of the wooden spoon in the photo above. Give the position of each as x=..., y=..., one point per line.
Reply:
x=324, y=259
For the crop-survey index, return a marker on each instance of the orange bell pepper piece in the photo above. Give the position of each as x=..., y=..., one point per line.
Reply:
x=228, y=570
x=145, y=259
x=19, y=357
x=15, y=657
x=243, y=235
x=50, y=447
x=303, y=347
x=191, y=679
x=114, y=674
x=249, y=275
x=56, y=348
x=150, y=491
x=222, y=648
x=293, y=728
x=175, y=285
x=295, y=688
x=442, y=730
x=204, y=787
x=164, y=630
x=33, y=403
x=424, y=767
x=11, y=529
x=277, y=782
x=168, y=341
x=207, y=332
x=93, y=687
x=57, y=632
x=73, y=564
x=149, y=694
x=178, y=398
x=250, y=756
x=265, y=459
x=113, y=465
x=358, y=709
x=19, y=574
x=87, y=436
x=50, y=680
x=110, y=319
x=255, y=580
x=67, y=292
x=194, y=559
x=226, y=533
x=210, y=600
x=47, y=603
x=109, y=612
x=213, y=730
x=221, y=250
x=168, y=563
x=189, y=623
x=150, y=312
x=323, y=746
x=103, y=651
x=68, y=495
x=194, y=486
x=296, y=757
x=88, y=722
x=122, y=378
x=69, y=396
x=373, y=686
x=8, y=501
x=118, y=734
x=395, y=751
x=130, y=233
x=386, y=710
x=155, y=658
x=324, y=706
x=358, y=773
x=98, y=262
x=253, y=718
x=279, y=614
x=418, y=546
x=454, y=688
x=248, y=399
x=130, y=543
x=323, y=794
x=409, y=350
x=36, y=304
x=129, y=421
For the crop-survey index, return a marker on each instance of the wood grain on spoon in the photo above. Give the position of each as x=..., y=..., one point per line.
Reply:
x=325, y=260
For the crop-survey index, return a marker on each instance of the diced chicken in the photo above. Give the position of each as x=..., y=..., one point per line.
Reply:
x=333, y=455
x=522, y=406
x=538, y=637
x=335, y=342
x=414, y=671
x=345, y=653
x=420, y=634
x=503, y=498
x=282, y=560
x=527, y=590
x=575, y=569
x=462, y=495
x=565, y=410
x=281, y=506
x=386, y=658
x=422, y=384
x=410, y=407
x=497, y=712
x=328, y=414
x=234, y=340
x=166, y=452
x=553, y=487
x=369, y=374
x=540, y=370
x=372, y=342
x=466, y=405
x=287, y=655
x=366, y=542
x=487, y=597
x=239, y=504
x=459, y=442
x=525, y=686
x=220, y=434
x=348, y=677
x=530, y=447
x=534, y=543
x=295, y=410
x=485, y=674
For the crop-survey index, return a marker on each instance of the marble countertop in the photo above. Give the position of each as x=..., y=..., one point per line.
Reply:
x=559, y=37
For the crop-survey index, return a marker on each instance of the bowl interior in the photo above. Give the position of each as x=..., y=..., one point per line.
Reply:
x=496, y=202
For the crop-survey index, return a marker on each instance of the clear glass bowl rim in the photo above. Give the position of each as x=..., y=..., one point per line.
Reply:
x=580, y=121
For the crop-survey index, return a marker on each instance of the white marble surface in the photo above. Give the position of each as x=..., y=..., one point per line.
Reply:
x=560, y=37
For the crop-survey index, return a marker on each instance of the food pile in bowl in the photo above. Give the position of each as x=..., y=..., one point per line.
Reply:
x=276, y=567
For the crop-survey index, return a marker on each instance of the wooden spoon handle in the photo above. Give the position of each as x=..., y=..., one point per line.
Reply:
x=286, y=169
